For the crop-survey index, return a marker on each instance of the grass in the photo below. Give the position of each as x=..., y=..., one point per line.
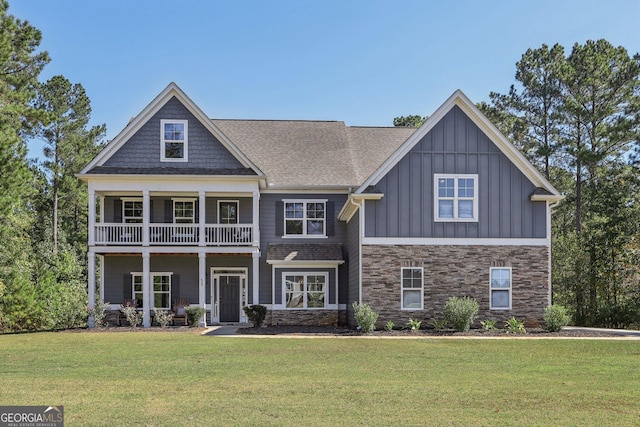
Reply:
x=160, y=379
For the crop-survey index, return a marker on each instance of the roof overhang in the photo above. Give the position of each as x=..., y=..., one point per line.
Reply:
x=354, y=202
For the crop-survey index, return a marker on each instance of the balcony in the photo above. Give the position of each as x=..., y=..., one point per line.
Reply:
x=174, y=234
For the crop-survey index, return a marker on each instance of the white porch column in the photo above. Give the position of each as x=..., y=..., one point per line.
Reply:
x=91, y=283
x=92, y=218
x=202, y=283
x=256, y=277
x=146, y=290
x=146, y=217
x=202, y=219
x=256, y=218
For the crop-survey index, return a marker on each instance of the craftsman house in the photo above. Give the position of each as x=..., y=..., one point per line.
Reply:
x=306, y=217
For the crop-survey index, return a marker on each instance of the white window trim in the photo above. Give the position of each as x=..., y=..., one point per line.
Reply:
x=305, y=274
x=237, y=202
x=193, y=218
x=402, y=288
x=131, y=199
x=185, y=157
x=509, y=289
x=455, y=198
x=304, y=219
x=151, y=276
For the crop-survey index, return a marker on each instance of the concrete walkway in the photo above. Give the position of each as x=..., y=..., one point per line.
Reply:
x=621, y=332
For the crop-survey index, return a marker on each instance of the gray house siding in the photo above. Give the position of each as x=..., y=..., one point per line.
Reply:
x=268, y=235
x=118, y=269
x=143, y=148
x=455, y=146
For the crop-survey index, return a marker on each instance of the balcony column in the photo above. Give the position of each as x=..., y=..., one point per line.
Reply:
x=202, y=220
x=202, y=282
x=92, y=218
x=256, y=218
x=91, y=283
x=146, y=216
x=146, y=290
x=256, y=277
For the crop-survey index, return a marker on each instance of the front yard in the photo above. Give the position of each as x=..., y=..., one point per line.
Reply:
x=168, y=378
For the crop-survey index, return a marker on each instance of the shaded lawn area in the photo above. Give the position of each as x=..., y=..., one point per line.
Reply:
x=160, y=379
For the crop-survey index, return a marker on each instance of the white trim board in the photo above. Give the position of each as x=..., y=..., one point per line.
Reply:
x=436, y=241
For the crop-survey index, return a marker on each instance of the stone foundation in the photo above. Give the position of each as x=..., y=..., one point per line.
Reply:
x=302, y=317
x=455, y=271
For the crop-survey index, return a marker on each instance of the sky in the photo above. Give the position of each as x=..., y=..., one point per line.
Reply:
x=363, y=62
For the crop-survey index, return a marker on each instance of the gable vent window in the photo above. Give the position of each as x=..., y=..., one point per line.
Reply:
x=174, y=141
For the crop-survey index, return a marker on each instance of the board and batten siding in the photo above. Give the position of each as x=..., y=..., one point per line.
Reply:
x=455, y=146
x=143, y=148
x=268, y=234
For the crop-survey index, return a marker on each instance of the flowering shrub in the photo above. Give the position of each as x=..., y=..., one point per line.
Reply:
x=99, y=312
x=134, y=317
x=365, y=317
x=555, y=317
x=163, y=317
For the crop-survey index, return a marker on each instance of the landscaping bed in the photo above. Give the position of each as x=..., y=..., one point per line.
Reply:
x=343, y=331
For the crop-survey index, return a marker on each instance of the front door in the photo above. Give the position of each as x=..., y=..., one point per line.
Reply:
x=229, y=298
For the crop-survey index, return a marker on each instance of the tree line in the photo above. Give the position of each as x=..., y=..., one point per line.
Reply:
x=43, y=206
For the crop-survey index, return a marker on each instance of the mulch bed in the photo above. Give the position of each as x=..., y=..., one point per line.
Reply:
x=339, y=331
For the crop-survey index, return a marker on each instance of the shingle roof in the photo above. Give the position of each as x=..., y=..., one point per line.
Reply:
x=313, y=153
x=305, y=252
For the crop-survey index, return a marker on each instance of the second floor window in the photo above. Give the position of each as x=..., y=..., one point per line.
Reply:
x=456, y=198
x=183, y=211
x=132, y=211
x=173, y=136
x=304, y=218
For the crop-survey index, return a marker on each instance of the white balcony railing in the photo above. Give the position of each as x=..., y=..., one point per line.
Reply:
x=122, y=234
x=174, y=234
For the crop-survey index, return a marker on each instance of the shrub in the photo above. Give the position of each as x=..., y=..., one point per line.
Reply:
x=365, y=317
x=488, y=325
x=414, y=324
x=99, y=312
x=461, y=312
x=134, y=317
x=389, y=326
x=514, y=326
x=555, y=317
x=256, y=313
x=194, y=314
x=439, y=325
x=163, y=317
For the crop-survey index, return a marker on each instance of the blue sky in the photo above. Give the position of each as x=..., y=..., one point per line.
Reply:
x=362, y=62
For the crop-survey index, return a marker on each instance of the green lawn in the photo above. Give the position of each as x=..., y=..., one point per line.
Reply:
x=163, y=379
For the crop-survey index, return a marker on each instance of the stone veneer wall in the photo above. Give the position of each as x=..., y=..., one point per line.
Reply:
x=455, y=271
x=303, y=317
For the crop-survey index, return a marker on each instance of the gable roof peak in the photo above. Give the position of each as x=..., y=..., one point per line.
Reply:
x=459, y=99
x=169, y=92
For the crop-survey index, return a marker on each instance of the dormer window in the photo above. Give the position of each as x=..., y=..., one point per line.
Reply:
x=173, y=140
